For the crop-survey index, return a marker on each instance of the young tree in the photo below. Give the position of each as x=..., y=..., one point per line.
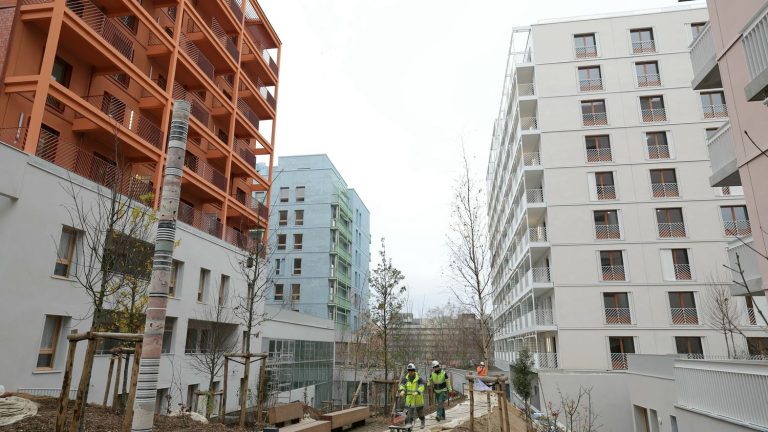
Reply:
x=721, y=313
x=469, y=257
x=522, y=378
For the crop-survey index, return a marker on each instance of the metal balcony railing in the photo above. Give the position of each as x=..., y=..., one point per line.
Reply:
x=529, y=123
x=606, y=192
x=537, y=234
x=684, y=315
x=607, y=231
x=534, y=195
x=654, y=115
x=235, y=8
x=671, y=229
x=702, y=51
x=206, y=171
x=721, y=149
x=198, y=109
x=586, y=51
x=641, y=47
x=592, y=84
x=526, y=89
x=682, y=271
x=207, y=223
x=755, y=46
x=532, y=159
x=546, y=360
x=613, y=273
x=618, y=315
x=198, y=58
x=237, y=238
x=270, y=62
x=737, y=228
x=15, y=137
x=224, y=39
x=106, y=27
x=715, y=111
x=594, y=119
x=544, y=316
x=248, y=113
x=658, y=152
x=266, y=94
x=648, y=80
x=129, y=117
x=599, y=155
x=541, y=275
x=751, y=316
x=243, y=149
x=618, y=361
x=661, y=190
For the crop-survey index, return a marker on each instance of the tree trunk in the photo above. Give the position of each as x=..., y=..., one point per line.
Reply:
x=244, y=391
x=82, y=389
x=144, y=411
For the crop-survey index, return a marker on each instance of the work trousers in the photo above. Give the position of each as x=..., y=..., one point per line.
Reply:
x=440, y=398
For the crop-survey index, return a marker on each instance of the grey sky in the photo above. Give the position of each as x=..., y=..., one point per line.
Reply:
x=388, y=89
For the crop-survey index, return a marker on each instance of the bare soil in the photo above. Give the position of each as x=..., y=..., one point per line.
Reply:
x=516, y=422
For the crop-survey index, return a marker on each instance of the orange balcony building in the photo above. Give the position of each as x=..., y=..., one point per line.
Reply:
x=89, y=85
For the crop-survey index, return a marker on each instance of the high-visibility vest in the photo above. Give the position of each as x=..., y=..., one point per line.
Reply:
x=482, y=370
x=410, y=386
x=440, y=382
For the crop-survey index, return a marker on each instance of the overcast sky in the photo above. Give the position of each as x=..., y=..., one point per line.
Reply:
x=388, y=89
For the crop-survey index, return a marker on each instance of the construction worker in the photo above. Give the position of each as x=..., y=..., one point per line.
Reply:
x=482, y=370
x=412, y=388
x=438, y=379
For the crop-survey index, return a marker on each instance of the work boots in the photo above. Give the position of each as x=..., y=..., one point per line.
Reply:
x=422, y=423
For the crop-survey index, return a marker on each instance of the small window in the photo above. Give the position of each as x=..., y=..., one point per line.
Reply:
x=598, y=148
x=173, y=287
x=47, y=353
x=642, y=41
x=205, y=274
x=295, y=292
x=758, y=346
x=657, y=145
x=681, y=264
x=278, y=292
x=612, y=265
x=590, y=78
x=283, y=218
x=585, y=45
x=281, y=240
x=593, y=113
x=606, y=189
x=278, y=264
x=682, y=306
x=607, y=224
x=297, y=266
x=66, y=252
x=697, y=28
x=223, y=290
x=283, y=194
x=647, y=74
x=664, y=183
x=297, y=241
x=62, y=72
x=298, y=217
x=670, y=222
x=131, y=22
x=299, y=193
x=167, y=347
x=653, y=109
x=617, y=308
x=713, y=105
x=620, y=346
x=691, y=346
x=736, y=221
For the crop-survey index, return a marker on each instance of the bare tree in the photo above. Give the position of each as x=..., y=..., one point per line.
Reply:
x=469, y=256
x=722, y=313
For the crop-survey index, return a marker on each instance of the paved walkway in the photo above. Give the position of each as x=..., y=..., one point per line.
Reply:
x=457, y=414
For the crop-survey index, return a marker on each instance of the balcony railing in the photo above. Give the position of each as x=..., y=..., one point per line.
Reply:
x=618, y=361
x=243, y=149
x=545, y=360
x=658, y=152
x=544, y=316
x=685, y=315
x=703, y=53
x=721, y=148
x=606, y=192
x=526, y=89
x=715, y=111
x=599, y=155
x=206, y=171
x=130, y=118
x=266, y=94
x=648, y=80
x=224, y=39
x=586, y=51
x=541, y=275
x=106, y=27
x=235, y=8
x=198, y=109
x=654, y=115
x=641, y=47
x=594, y=119
x=237, y=238
x=592, y=84
x=671, y=229
x=534, y=196
x=194, y=53
x=248, y=112
x=537, y=234
x=682, y=271
x=618, y=315
x=207, y=223
x=613, y=273
x=532, y=159
x=662, y=190
x=607, y=231
x=737, y=228
x=14, y=137
x=529, y=123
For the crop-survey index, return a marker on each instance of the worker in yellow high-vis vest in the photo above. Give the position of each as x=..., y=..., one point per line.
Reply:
x=412, y=388
x=438, y=379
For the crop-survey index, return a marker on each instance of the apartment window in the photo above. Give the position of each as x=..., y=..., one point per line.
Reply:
x=670, y=222
x=750, y=310
x=697, y=28
x=681, y=265
x=590, y=78
x=223, y=290
x=281, y=240
x=46, y=355
x=283, y=194
x=691, y=346
x=598, y=148
x=167, y=347
x=240, y=196
x=65, y=252
x=298, y=217
x=758, y=346
x=202, y=284
x=278, y=292
x=297, y=266
x=300, y=193
x=295, y=292
x=664, y=183
x=620, y=346
x=297, y=241
x=278, y=264
x=62, y=74
x=652, y=109
x=617, y=308
x=604, y=186
x=647, y=74
x=736, y=221
x=283, y=217
x=174, y=286
x=585, y=45
x=682, y=305
x=612, y=265
x=642, y=41
x=713, y=104
x=657, y=145
x=607, y=224
x=593, y=113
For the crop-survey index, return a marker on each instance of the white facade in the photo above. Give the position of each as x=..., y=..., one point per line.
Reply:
x=32, y=214
x=596, y=253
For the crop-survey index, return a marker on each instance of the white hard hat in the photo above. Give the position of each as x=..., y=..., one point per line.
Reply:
x=411, y=367
x=482, y=363
x=435, y=363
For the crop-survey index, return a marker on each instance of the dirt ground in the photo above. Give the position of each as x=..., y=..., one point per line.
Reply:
x=481, y=424
x=98, y=419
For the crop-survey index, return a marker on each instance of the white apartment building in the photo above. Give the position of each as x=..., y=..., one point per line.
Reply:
x=605, y=231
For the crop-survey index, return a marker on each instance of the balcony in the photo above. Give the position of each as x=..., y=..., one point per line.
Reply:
x=344, y=254
x=541, y=275
x=198, y=109
x=544, y=317
x=594, y=119
x=722, y=156
x=545, y=360
x=756, y=51
x=715, y=111
x=618, y=316
x=648, y=80
x=534, y=196
x=107, y=28
x=15, y=137
x=619, y=361
x=128, y=117
x=237, y=238
x=665, y=190
x=650, y=115
x=599, y=155
x=671, y=229
x=207, y=223
x=251, y=203
x=606, y=192
x=706, y=74
x=737, y=228
x=644, y=47
x=682, y=271
x=607, y=231
x=526, y=89
x=197, y=56
x=529, y=123
x=206, y=171
x=749, y=264
x=589, y=85
x=613, y=273
x=248, y=113
x=532, y=159
x=684, y=316
x=537, y=234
